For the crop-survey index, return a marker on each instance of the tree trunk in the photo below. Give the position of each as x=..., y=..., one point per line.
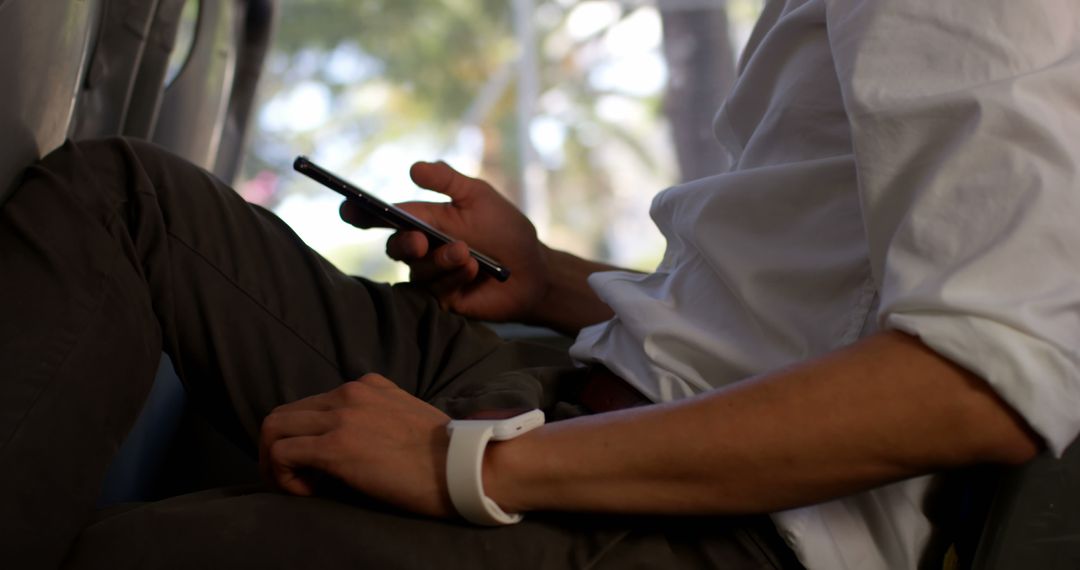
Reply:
x=701, y=70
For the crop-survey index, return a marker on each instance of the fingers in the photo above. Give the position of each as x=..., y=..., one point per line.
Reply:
x=376, y=438
x=360, y=217
x=283, y=424
x=313, y=403
x=434, y=213
x=448, y=265
x=356, y=215
x=447, y=288
x=441, y=178
x=291, y=463
x=407, y=246
x=290, y=421
x=452, y=256
x=377, y=381
x=292, y=440
x=444, y=260
x=447, y=272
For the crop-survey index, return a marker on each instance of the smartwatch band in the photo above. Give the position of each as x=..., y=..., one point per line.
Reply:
x=465, y=462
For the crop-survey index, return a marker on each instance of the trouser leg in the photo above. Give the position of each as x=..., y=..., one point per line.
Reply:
x=112, y=250
x=252, y=317
x=230, y=529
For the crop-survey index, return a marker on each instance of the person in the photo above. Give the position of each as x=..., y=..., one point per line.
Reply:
x=850, y=308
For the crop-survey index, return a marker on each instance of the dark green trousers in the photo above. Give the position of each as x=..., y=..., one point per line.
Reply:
x=113, y=251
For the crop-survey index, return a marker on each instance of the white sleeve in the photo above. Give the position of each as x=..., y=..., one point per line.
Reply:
x=965, y=116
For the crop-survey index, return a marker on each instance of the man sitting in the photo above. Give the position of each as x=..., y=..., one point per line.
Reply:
x=880, y=286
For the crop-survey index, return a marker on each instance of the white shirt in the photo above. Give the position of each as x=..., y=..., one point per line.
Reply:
x=903, y=164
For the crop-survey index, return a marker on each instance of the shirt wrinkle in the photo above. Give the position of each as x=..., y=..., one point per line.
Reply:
x=896, y=164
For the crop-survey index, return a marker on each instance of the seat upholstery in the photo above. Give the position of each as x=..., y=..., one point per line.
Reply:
x=1034, y=520
x=106, y=92
x=149, y=88
x=89, y=68
x=46, y=46
x=195, y=104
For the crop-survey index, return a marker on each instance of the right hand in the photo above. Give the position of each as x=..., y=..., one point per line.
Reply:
x=482, y=219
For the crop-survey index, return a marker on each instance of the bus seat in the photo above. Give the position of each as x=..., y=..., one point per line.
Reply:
x=45, y=45
x=149, y=88
x=172, y=449
x=193, y=111
x=139, y=464
x=253, y=42
x=1034, y=519
x=106, y=92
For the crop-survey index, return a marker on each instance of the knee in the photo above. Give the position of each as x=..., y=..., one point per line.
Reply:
x=129, y=158
x=90, y=159
x=78, y=167
x=88, y=171
x=108, y=150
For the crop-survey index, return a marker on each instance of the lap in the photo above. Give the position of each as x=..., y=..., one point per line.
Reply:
x=115, y=250
x=252, y=319
x=251, y=528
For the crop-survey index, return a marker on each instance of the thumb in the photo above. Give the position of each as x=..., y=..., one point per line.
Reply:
x=442, y=178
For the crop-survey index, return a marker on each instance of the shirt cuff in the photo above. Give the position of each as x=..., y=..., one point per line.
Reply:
x=1037, y=378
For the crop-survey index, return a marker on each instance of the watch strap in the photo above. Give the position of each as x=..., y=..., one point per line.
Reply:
x=464, y=474
x=465, y=464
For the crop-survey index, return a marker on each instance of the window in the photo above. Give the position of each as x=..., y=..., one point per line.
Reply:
x=559, y=103
x=185, y=40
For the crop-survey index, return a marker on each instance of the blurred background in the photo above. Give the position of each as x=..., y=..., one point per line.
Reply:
x=578, y=111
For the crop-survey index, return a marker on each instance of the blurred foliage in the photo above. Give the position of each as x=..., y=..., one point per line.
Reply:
x=441, y=52
x=400, y=70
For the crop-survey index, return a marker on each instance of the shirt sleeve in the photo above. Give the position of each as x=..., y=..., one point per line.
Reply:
x=965, y=117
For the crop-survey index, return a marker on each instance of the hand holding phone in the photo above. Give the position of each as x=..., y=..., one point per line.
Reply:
x=391, y=215
x=482, y=217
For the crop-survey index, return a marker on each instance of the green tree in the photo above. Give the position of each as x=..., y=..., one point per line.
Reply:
x=425, y=68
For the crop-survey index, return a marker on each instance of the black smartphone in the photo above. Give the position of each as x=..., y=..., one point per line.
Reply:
x=392, y=215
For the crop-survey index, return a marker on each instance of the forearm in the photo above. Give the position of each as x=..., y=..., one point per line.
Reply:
x=882, y=410
x=569, y=304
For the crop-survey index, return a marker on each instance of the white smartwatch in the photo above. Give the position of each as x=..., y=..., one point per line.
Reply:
x=465, y=462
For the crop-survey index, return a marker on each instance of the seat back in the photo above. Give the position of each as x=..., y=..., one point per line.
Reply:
x=253, y=35
x=106, y=93
x=202, y=115
x=92, y=68
x=205, y=109
x=149, y=88
x=1034, y=520
x=46, y=46
x=193, y=110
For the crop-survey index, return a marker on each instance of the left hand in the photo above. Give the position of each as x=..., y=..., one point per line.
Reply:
x=370, y=434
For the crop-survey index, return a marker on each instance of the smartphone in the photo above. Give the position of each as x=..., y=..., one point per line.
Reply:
x=392, y=215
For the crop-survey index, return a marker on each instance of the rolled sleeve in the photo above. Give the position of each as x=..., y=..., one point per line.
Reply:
x=965, y=118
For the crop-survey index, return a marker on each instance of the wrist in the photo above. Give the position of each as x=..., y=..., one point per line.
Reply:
x=567, y=303
x=537, y=312
x=469, y=469
x=502, y=472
